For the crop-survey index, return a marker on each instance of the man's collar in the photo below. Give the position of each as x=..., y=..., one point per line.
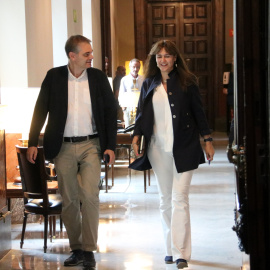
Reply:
x=70, y=73
x=134, y=77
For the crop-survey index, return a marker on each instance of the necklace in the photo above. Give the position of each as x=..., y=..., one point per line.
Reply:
x=164, y=81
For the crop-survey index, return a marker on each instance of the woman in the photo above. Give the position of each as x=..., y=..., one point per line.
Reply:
x=171, y=118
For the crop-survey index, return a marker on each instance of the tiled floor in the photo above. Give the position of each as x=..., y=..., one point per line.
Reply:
x=130, y=234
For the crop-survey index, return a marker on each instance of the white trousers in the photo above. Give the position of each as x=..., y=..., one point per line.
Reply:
x=174, y=202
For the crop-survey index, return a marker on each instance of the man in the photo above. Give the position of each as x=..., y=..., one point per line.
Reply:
x=130, y=87
x=228, y=90
x=119, y=74
x=81, y=128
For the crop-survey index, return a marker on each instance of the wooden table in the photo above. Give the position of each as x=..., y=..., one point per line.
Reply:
x=15, y=191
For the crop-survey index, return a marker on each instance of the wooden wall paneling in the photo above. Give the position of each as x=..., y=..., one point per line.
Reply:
x=5, y=221
x=252, y=128
x=141, y=46
x=255, y=126
x=2, y=170
x=218, y=22
x=105, y=18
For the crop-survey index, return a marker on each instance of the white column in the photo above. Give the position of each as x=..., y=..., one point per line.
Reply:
x=39, y=40
x=59, y=32
x=96, y=34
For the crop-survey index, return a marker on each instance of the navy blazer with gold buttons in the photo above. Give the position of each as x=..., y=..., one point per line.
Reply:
x=53, y=102
x=188, y=119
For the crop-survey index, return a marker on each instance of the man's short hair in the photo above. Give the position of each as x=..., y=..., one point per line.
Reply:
x=134, y=60
x=73, y=42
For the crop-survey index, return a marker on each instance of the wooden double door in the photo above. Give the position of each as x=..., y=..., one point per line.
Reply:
x=190, y=25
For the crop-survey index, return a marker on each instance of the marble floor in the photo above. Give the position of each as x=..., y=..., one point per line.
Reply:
x=130, y=233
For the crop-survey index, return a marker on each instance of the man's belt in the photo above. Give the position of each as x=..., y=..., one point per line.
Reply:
x=79, y=138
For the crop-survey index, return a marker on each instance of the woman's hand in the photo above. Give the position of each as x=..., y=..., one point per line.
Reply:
x=136, y=144
x=209, y=151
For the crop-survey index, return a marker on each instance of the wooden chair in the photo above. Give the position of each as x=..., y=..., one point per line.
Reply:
x=124, y=139
x=37, y=201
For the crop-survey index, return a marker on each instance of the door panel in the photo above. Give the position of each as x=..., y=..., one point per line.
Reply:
x=196, y=44
x=163, y=22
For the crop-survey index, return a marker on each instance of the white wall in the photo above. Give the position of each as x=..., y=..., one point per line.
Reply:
x=33, y=35
x=74, y=17
x=13, y=55
x=59, y=32
x=87, y=18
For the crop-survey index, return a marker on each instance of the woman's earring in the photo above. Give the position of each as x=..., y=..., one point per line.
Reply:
x=175, y=64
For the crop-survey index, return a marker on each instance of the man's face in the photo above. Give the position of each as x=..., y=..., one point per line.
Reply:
x=134, y=68
x=122, y=71
x=83, y=59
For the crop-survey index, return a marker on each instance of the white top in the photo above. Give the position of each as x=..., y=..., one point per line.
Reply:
x=129, y=91
x=80, y=121
x=163, y=129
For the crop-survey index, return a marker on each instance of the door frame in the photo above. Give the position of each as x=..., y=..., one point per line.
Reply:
x=252, y=125
x=218, y=45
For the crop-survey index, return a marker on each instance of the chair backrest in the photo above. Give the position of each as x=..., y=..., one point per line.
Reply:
x=33, y=176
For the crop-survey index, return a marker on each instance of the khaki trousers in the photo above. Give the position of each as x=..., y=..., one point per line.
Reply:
x=78, y=167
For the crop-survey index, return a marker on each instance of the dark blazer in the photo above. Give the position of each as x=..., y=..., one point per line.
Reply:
x=53, y=101
x=188, y=118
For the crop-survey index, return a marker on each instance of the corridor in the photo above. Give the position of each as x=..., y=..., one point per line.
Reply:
x=130, y=233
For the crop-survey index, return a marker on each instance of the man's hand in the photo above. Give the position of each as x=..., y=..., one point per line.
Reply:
x=31, y=154
x=111, y=154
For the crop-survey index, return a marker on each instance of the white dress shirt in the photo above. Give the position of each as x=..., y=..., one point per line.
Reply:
x=128, y=96
x=80, y=121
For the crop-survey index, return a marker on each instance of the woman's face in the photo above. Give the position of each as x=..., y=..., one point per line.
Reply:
x=165, y=61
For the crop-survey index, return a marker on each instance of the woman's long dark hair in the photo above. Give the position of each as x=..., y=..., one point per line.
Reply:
x=151, y=69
